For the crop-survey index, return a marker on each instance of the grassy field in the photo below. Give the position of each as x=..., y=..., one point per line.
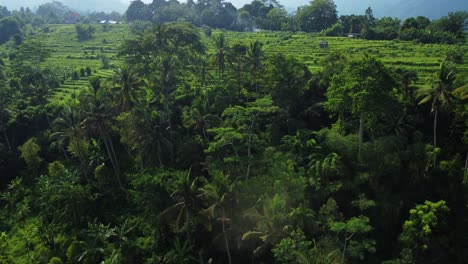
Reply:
x=423, y=58
x=67, y=52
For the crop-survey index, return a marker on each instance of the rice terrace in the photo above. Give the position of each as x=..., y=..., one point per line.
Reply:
x=233, y=131
x=72, y=55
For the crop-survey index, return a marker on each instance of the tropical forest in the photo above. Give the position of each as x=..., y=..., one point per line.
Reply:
x=211, y=132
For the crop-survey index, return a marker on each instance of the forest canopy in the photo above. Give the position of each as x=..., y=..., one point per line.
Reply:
x=174, y=139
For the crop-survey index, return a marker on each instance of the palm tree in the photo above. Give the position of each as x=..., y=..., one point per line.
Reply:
x=97, y=117
x=201, y=70
x=199, y=117
x=183, y=193
x=129, y=84
x=4, y=117
x=440, y=95
x=237, y=61
x=219, y=56
x=41, y=92
x=216, y=194
x=153, y=137
x=271, y=222
x=164, y=85
x=68, y=129
x=254, y=57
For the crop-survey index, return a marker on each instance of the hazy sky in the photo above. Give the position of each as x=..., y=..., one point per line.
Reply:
x=240, y=3
x=398, y=8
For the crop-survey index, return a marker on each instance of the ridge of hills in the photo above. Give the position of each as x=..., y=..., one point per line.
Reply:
x=433, y=9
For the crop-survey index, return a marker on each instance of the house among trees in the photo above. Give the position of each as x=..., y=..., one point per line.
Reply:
x=323, y=44
x=352, y=35
x=465, y=26
x=72, y=18
x=113, y=22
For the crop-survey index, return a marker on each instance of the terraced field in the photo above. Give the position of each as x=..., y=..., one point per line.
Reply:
x=67, y=52
x=423, y=58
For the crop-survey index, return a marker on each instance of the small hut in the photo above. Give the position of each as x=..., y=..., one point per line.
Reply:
x=323, y=44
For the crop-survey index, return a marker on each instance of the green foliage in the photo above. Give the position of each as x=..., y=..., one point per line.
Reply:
x=297, y=249
x=288, y=249
x=352, y=229
x=233, y=149
x=9, y=27
x=30, y=154
x=356, y=89
x=334, y=31
x=55, y=260
x=273, y=222
x=84, y=32
x=423, y=223
x=319, y=15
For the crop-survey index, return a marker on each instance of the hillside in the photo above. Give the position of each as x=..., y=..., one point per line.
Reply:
x=183, y=145
x=424, y=59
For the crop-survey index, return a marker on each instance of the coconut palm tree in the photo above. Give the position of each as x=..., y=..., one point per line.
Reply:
x=199, y=117
x=254, y=57
x=220, y=53
x=97, y=116
x=216, y=196
x=4, y=115
x=272, y=221
x=201, y=70
x=128, y=84
x=237, y=60
x=440, y=94
x=183, y=191
x=68, y=130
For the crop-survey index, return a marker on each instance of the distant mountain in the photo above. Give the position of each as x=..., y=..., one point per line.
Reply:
x=395, y=8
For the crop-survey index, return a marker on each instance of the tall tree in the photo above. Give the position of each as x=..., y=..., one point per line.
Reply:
x=68, y=130
x=220, y=53
x=319, y=15
x=254, y=60
x=137, y=11
x=364, y=90
x=97, y=117
x=440, y=95
x=128, y=84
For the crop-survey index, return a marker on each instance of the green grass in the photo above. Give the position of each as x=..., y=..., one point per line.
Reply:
x=67, y=52
x=423, y=58
x=72, y=55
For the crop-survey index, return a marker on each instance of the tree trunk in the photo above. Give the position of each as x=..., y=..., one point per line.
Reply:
x=435, y=134
x=47, y=117
x=344, y=247
x=361, y=136
x=140, y=156
x=80, y=156
x=110, y=153
x=159, y=151
x=111, y=145
x=255, y=80
x=249, y=148
x=465, y=174
x=7, y=140
x=225, y=238
x=344, y=250
x=64, y=152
